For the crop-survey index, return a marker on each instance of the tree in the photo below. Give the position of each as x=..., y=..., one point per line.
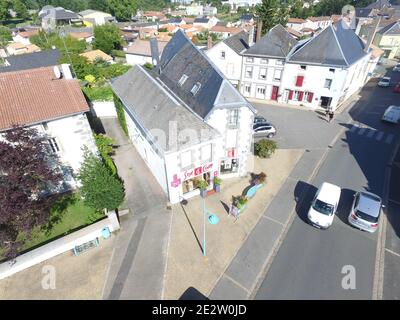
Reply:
x=5, y=36
x=27, y=171
x=265, y=148
x=20, y=9
x=101, y=5
x=4, y=6
x=271, y=13
x=107, y=38
x=105, y=146
x=100, y=189
x=123, y=10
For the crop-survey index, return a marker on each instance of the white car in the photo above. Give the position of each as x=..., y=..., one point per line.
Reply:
x=324, y=206
x=384, y=82
x=396, y=68
x=392, y=114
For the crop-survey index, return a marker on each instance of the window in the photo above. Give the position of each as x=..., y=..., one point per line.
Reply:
x=309, y=96
x=45, y=126
x=298, y=95
x=182, y=80
x=196, y=88
x=263, y=73
x=277, y=74
x=247, y=88
x=264, y=61
x=186, y=159
x=303, y=67
x=233, y=117
x=332, y=70
x=222, y=54
x=299, y=81
x=249, y=72
x=328, y=83
x=250, y=60
x=205, y=153
x=279, y=62
x=261, y=90
x=53, y=145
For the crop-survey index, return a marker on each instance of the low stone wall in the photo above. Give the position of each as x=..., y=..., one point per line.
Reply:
x=59, y=246
x=104, y=109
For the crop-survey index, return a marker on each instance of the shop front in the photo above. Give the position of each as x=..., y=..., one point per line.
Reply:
x=230, y=164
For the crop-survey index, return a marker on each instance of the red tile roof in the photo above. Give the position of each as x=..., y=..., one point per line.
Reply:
x=296, y=20
x=35, y=95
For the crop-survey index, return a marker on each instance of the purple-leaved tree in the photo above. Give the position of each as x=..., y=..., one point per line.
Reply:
x=27, y=169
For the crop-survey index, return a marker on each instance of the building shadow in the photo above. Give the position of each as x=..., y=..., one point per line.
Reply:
x=345, y=203
x=226, y=207
x=193, y=294
x=303, y=195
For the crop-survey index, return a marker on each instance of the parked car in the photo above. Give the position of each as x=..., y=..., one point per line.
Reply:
x=324, y=206
x=259, y=119
x=392, y=114
x=397, y=88
x=396, y=68
x=384, y=82
x=365, y=211
x=264, y=130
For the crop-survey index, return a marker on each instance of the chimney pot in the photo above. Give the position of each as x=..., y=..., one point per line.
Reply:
x=259, y=29
x=209, y=42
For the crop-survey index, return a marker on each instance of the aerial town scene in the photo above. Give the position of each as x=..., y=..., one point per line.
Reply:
x=199, y=150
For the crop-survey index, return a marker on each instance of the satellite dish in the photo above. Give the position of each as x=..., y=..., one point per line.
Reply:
x=57, y=72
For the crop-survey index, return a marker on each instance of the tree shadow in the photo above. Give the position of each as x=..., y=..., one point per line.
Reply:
x=303, y=195
x=192, y=294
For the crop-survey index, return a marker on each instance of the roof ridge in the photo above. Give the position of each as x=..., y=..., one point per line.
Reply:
x=340, y=47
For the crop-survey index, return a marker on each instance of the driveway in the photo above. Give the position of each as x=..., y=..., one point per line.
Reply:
x=139, y=256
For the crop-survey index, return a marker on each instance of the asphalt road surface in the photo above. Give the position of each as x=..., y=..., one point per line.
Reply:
x=310, y=262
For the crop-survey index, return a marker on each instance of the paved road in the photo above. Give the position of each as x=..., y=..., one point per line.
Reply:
x=310, y=261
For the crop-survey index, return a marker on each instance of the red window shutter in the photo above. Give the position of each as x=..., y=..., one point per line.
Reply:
x=290, y=94
x=310, y=96
x=301, y=96
x=299, y=81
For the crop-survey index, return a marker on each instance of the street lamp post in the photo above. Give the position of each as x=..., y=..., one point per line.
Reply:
x=204, y=227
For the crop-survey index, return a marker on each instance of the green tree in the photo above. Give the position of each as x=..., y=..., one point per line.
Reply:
x=265, y=148
x=100, y=189
x=5, y=36
x=20, y=9
x=107, y=38
x=271, y=13
x=66, y=44
x=80, y=65
x=4, y=6
x=105, y=146
x=101, y=5
x=123, y=10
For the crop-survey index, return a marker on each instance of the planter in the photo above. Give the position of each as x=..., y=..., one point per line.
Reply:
x=242, y=208
x=203, y=193
x=217, y=187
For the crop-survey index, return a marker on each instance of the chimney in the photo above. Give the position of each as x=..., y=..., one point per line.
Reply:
x=259, y=29
x=155, y=55
x=66, y=71
x=209, y=42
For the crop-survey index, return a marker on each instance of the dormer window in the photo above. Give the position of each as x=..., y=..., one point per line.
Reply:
x=196, y=88
x=182, y=80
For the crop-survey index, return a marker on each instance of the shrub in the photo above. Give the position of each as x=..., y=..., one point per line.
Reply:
x=201, y=184
x=118, y=53
x=148, y=65
x=104, y=145
x=98, y=93
x=241, y=202
x=121, y=114
x=265, y=148
x=217, y=181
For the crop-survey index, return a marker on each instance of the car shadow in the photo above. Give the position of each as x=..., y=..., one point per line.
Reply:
x=345, y=203
x=303, y=195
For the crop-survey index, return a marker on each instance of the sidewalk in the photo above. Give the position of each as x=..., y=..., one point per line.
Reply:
x=186, y=265
x=243, y=273
x=139, y=256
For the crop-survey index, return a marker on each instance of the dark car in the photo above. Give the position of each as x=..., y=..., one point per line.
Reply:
x=259, y=119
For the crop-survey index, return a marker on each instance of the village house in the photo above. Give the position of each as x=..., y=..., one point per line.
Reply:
x=226, y=55
x=325, y=70
x=82, y=36
x=16, y=48
x=95, y=55
x=388, y=39
x=53, y=17
x=296, y=24
x=186, y=120
x=53, y=103
x=263, y=64
x=224, y=32
x=139, y=52
x=93, y=18
x=23, y=36
x=31, y=60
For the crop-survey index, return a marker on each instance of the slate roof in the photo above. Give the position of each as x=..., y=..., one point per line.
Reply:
x=246, y=17
x=156, y=108
x=379, y=4
x=201, y=20
x=33, y=96
x=334, y=46
x=363, y=12
x=276, y=43
x=32, y=60
x=238, y=42
x=391, y=29
x=59, y=13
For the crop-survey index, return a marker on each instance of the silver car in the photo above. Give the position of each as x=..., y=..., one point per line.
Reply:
x=365, y=211
x=384, y=82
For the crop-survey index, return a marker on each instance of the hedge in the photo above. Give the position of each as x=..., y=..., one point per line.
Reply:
x=121, y=114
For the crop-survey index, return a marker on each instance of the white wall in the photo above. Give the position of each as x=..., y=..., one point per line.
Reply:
x=104, y=109
x=71, y=134
x=133, y=59
x=231, y=66
x=154, y=161
x=256, y=82
x=22, y=40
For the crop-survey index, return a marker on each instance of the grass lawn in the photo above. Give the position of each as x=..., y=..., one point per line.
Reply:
x=67, y=214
